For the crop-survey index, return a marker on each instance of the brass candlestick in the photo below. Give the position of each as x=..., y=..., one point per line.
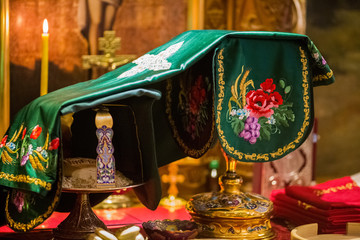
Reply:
x=230, y=213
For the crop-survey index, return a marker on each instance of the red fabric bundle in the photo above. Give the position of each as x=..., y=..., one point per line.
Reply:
x=331, y=204
x=338, y=193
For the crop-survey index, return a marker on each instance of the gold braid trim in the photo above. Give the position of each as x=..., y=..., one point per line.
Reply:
x=322, y=77
x=347, y=186
x=221, y=84
x=25, y=179
x=281, y=151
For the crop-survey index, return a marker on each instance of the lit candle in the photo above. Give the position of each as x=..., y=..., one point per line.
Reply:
x=44, y=59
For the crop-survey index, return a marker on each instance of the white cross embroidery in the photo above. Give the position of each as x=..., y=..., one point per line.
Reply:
x=153, y=62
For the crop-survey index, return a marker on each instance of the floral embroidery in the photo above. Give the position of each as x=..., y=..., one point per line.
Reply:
x=9, y=148
x=192, y=106
x=251, y=130
x=18, y=201
x=3, y=141
x=319, y=59
x=54, y=144
x=23, y=134
x=268, y=85
x=30, y=151
x=259, y=103
x=36, y=132
x=153, y=62
x=256, y=114
x=39, y=154
x=24, y=159
x=22, y=200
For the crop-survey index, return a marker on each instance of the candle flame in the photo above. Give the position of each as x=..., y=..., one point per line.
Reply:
x=45, y=26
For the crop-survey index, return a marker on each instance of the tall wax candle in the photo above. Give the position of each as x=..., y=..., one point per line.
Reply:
x=44, y=59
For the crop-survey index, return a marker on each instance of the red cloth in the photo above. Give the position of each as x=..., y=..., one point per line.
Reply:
x=299, y=219
x=331, y=204
x=337, y=214
x=338, y=193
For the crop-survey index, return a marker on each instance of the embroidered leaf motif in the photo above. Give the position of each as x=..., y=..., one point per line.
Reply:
x=287, y=89
x=283, y=114
x=237, y=125
x=265, y=130
x=282, y=83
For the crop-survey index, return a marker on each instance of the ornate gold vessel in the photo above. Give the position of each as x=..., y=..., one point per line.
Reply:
x=230, y=213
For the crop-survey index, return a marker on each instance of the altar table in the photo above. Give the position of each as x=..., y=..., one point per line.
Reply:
x=116, y=218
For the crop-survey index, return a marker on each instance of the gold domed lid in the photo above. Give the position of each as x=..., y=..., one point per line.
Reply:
x=230, y=213
x=227, y=205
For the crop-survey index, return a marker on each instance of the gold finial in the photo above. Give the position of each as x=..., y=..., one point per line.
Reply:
x=103, y=118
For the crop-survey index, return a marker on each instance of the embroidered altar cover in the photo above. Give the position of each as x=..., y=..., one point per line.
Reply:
x=251, y=90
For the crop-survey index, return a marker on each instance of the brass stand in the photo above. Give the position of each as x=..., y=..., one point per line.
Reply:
x=230, y=213
x=80, y=222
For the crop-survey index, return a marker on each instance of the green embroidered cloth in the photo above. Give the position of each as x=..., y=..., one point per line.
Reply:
x=252, y=90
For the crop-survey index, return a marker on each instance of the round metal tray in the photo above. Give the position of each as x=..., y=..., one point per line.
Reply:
x=99, y=190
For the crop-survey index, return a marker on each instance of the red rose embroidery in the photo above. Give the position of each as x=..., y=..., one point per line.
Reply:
x=3, y=141
x=268, y=85
x=259, y=104
x=54, y=144
x=264, y=111
x=276, y=99
x=36, y=132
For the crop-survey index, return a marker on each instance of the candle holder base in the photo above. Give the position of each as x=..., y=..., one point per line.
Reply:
x=81, y=221
x=172, y=202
